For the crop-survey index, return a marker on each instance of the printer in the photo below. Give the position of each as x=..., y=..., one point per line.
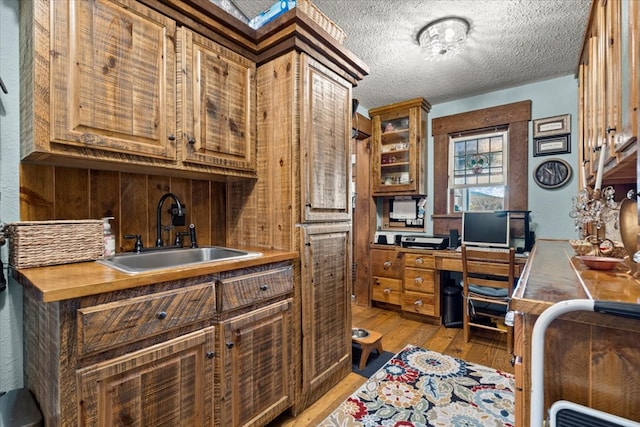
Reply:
x=424, y=242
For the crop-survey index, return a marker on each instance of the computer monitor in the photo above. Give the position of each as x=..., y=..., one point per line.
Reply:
x=486, y=228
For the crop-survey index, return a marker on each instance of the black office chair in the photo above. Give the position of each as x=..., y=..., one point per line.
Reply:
x=488, y=278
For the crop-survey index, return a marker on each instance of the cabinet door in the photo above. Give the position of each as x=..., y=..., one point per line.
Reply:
x=219, y=99
x=113, y=78
x=255, y=366
x=325, y=135
x=169, y=384
x=326, y=305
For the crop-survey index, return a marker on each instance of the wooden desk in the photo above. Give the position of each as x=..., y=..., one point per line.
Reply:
x=590, y=358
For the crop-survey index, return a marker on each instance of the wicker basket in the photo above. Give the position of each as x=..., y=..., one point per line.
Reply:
x=321, y=19
x=40, y=243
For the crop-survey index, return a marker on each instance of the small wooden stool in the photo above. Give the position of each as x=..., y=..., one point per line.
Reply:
x=368, y=343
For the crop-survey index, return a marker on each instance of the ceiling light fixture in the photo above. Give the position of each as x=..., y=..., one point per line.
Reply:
x=443, y=38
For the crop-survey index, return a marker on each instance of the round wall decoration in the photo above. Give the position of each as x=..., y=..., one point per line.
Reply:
x=552, y=173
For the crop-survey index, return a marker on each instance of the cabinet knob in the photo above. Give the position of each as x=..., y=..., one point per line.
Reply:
x=191, y=140
x=171, y=137
x=211, y=354
x=377, y=282
x=387, y=264
x=418, y=279
x=419, y=261
x=263, y=287
x=229, y=345
x=387, y=291
x=419, y=303
x=162, y=315
x=610, y=129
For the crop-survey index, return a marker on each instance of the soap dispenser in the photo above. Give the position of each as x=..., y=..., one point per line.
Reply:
x=108, y=238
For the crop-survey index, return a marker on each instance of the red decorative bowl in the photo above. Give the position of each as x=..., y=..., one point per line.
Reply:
x=600, y=262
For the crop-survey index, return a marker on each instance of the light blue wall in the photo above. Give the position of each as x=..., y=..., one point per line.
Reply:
x=550, y=208
x=11, y=299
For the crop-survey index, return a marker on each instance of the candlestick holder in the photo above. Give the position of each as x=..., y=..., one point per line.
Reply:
x=594, y=207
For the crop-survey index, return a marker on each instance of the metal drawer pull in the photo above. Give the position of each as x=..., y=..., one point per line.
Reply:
x=418, y=279
x=419, y=261
x=162, y=315
x=387, y=290
x=387, y=264
x=229, y=344
x=211, y=354
x=419, y=302
x=263, y=287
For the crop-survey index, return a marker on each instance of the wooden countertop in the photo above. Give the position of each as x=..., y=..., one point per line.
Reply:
x=60, y=282
x=554, y=274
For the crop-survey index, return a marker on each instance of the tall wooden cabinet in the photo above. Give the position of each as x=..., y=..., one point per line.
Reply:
x=609, y=87
x=399, y=148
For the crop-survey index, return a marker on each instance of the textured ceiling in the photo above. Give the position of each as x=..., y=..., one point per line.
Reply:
x=510, y=43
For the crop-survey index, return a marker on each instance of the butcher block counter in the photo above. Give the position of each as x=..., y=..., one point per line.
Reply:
x=102, y=347
x=60, y=282
x=590, y=358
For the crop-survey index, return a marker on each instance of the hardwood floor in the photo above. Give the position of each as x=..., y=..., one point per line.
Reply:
x=487, y=349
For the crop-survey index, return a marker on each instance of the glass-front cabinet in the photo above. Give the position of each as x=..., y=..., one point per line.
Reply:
x=399, y=148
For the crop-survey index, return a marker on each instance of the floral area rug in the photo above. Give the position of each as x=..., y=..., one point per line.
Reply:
x=418, y=387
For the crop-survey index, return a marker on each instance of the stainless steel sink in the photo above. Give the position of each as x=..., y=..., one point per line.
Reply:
x=177, y=257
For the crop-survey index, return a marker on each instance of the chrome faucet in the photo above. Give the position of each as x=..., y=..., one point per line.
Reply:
x=179, y=214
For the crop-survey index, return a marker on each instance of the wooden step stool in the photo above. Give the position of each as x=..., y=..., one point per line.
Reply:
x=368, y=343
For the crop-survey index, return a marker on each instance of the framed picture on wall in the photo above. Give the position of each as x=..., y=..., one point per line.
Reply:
x=552, y=145
x=552, y=126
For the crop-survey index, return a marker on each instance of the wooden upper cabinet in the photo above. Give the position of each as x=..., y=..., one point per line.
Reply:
x=609, y=100
x=112, y=78
x=399, y=148
x=325, y=135
x=219, y=100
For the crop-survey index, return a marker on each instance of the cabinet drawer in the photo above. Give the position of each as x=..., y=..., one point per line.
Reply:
x=386, y=264
x=250, y=289
x=419, y=280
x=419, y=261
x=387, y=290
x=109, y=325
x=420, y=303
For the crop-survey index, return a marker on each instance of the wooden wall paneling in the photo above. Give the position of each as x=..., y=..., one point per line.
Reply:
x=364, y=222
x=156, y=187
x=218, y=205
x=36, y=192
x=104, y=199
x=71, y=200
x=134, y=212
x=200, y=212
x=241, y=213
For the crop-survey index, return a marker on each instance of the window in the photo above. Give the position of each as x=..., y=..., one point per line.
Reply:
x=514, y=119
x=478, y=171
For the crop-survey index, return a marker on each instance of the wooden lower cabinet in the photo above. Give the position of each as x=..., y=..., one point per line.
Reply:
x=255, y=366
x=168, y=384
x=213, y=350
x=326, y=309
x=590, y=358
x=421, y=290
x=406, y=279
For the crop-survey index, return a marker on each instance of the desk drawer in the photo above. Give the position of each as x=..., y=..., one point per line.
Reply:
x=387, y=290
x=255, y=288
x=386, y=263
x=419, y=280
x=419, y=261
x=109, y=325
x=419, y=303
